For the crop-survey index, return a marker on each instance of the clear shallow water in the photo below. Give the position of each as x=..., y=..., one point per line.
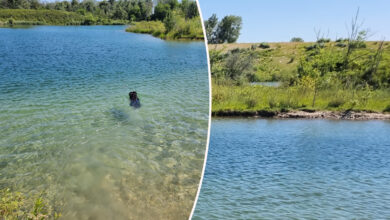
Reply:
x=296, y=169
x=67, y=129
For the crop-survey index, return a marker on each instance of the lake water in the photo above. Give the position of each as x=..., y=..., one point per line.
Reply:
x=66, y=128
x=296, y=169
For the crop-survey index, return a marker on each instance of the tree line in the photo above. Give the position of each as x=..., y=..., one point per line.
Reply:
x=131, y=10
x=225, y=31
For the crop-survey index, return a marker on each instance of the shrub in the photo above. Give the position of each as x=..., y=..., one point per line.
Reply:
x=41, y=16
x=338, y=40
x=296, y=39
x=287, y=104
x=323, y=40
x=11, y=21
x=251, y=102
x=272, y=103
x=358, y=44
x=387, y=109
x=254, y=46
x=336, y=103
x=156, y=28
x=341, y=44
x=264, y=46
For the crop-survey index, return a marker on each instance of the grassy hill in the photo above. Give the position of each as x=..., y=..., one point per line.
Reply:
x=280, y=62
x=49, y=17
x=190, y=29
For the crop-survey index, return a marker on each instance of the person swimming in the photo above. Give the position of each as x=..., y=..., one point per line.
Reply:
x=134, y=100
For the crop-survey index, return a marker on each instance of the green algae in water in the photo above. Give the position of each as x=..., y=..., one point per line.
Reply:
x=67, y=129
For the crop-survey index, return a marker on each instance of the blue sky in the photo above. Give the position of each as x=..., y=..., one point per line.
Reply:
x=280, y=20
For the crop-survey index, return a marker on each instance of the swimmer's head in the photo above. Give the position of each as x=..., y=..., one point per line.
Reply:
x=133, y=95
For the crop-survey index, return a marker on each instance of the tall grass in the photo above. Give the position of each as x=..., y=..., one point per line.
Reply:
x=41, y=16
x=156, y=28
x=249, y=97
x=50, y=17
x=186, y=29
x=182, y=29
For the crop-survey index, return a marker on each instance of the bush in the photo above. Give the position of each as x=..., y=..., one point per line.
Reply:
x=286, y=104
x=341, y=44
x=272, y=103
x=358, y=44
x=323, y=40
x=147, y=27
x=51, y=17
x=336, y=103
x=296, y=39
x=254, y=46
x=341, y=40
x=11, y=21
x=387, y=109
x=314, y=46
x=264, y=46
x=251, y=102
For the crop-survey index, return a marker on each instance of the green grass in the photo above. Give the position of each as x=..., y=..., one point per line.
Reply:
x=254, y=98
x=183, y=29
x=50, y=17
x=155, y=28
x=279, y=62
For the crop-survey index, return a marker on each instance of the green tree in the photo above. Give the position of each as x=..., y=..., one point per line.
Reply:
x=189, y=8
x=146, y=8
x=104, y=6
x=239, y=65
x=172, y=3
x=119, y=13
x=75, y=5
x=296, y=39
x=228, y=29
x=210, y=26
x=161, y=11
x=169, y=22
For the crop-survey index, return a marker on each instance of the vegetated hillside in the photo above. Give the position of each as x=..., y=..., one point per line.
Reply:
x=174, y=20
x=312, y=75
x=278, y=61
x=183, y=29
x=49, y=17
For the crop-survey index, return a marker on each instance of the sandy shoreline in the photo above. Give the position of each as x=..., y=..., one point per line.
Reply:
x=307, y=114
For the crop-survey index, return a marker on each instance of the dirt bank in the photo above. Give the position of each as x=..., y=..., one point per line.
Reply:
x=308, y=114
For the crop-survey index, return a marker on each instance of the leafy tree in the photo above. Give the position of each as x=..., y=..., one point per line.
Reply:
x=104, y=6
x=228, y=29
x=119, y=13
x=296, y=39
x=189, y=8
x=161, y=11
x=88, y=5
x=210, y=26
x=74, y=4
x=172, y=3
x=238, y=66
x=169, y=22
x=146, y=8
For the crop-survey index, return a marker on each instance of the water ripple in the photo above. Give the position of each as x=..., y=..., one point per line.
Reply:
x=67, y=128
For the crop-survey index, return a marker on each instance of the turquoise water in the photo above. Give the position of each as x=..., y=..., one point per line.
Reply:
x=67, y=129
x=296, y=169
